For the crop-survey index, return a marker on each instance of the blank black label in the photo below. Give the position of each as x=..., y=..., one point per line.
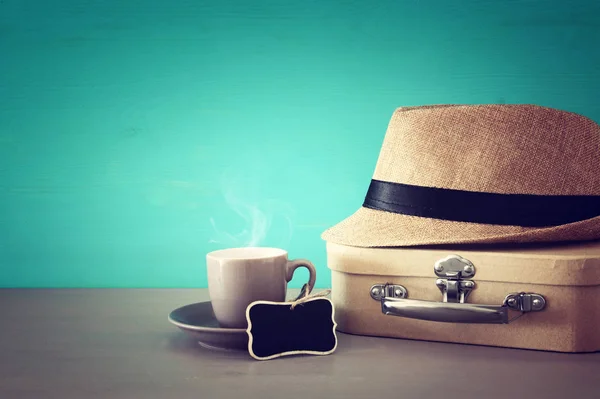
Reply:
x=275, y=330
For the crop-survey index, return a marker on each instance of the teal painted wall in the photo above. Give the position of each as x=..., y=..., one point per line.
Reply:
x=135, y=136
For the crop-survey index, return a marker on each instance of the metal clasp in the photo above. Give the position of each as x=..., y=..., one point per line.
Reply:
x=525, y=302
x=380, y=291
x=455, y=272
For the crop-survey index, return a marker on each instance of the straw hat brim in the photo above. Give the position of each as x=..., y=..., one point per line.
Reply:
x=374, y=228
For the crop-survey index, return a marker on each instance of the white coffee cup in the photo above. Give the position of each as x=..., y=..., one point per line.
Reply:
x=239, y=276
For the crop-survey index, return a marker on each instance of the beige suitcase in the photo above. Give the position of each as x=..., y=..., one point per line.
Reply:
x=535, y=298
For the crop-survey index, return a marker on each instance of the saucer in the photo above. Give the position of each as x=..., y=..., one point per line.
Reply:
x=198, y=320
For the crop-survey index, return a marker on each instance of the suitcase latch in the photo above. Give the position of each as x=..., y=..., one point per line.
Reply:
x=455, y=273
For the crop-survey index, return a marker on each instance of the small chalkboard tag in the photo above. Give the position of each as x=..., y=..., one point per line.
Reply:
x=305, y=326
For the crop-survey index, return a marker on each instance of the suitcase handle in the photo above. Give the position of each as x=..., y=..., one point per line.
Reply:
x=395, y=304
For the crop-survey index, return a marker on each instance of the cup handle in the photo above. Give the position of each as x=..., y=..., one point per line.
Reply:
x=291, y=267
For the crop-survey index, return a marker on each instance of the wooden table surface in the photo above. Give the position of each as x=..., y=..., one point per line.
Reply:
x=111, y=343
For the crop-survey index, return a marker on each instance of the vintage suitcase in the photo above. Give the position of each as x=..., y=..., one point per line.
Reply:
x=481, y=225
x=536, y=298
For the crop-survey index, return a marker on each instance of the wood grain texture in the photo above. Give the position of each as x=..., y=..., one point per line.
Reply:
x=119, y=119
x=117, y=344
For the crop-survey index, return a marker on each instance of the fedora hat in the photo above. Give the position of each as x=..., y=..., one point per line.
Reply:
x=469, y=174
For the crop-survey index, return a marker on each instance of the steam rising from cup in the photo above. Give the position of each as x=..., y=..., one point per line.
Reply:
x=260, y=217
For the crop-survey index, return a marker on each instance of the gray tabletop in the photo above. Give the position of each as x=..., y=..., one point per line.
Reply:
x=110, y=343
